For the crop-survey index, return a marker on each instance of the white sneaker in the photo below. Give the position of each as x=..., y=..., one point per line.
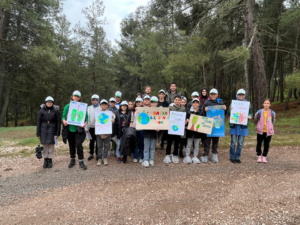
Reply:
x=99, y=162
x=167, y=159
x=105, y=162
x=135, y=160
x=196, y=160
x=187, y=160
x=175, y=159
x=214, y=158
x=141, y=160
x=145, y=164
x=151, y=163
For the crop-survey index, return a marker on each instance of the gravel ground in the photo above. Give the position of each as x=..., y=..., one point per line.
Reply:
x=223, y=193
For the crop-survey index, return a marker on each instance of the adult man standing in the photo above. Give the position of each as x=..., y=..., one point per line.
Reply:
x=147, y=92
x=172, y=93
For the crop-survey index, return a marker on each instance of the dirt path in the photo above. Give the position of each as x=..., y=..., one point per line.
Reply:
x=222, y=193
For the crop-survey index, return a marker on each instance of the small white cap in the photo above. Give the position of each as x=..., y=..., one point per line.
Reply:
x=241, y=92
x=162, y=91
x=147, y=97
x=103, y=101
x=95, y=96
x=118, y=94
x=214, y=91
x=138, y=99
x=124, y=103
x=195, y=93
x=77, y=93
x=49, y=98
x=183, y=98
x=112, y=99
x=195, y=100
x=154, y=99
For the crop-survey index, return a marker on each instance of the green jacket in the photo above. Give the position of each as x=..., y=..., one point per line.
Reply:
x=250, y=113
x=72, y=128
x=177, y=109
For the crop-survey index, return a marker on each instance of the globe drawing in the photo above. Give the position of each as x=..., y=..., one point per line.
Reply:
x=175, y=128
x=217, y=123
x=143, y=118
x=103, y=118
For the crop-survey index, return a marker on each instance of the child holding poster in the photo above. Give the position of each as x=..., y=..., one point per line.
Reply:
x=193, y=136
x=238, y=132
x=264, y=118
x=74, y=134
x=123, y=122
x=212, y=101
x=174, y=138
x=103, y=140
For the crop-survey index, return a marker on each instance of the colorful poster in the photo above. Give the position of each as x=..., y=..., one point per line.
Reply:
x=200, y=124
x=218, y=114
x=239, y=112
x=103, y=124
x=76, y=114
x=177, y=123
x=152, y=118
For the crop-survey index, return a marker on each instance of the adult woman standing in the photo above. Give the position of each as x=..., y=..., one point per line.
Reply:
x=48, y=129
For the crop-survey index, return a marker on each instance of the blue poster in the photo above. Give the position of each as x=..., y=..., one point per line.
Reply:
x=218, y=114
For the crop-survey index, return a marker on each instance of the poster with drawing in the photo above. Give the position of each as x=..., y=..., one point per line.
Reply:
x=77, y=113
x=200, y=124
x=239, y=112
x=217, y=113
x=152, y=118
x=177, y=123
x=103, y=124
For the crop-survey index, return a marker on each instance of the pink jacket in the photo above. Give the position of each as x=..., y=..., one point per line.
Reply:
x=260, y=123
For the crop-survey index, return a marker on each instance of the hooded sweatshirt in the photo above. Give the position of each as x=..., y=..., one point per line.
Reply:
x=203, y=98
x=91, y=113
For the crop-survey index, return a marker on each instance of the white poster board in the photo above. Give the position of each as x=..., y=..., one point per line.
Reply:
x=177, y=123
x=77, y=113
x=239, y=112
x=103, y=124
x=200, y=124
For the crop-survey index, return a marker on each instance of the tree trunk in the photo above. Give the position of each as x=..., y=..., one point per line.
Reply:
x=6, y=118
x=295, y=93
x=296, y=47
x=204, y=78
x=246, y=63
x=288, y=100
x=272, y=96
x=259, y=73
x=281, y=79
x=16, y=111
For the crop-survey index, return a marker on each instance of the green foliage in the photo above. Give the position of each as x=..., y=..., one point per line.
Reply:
x=239, y=55
x=293, y=81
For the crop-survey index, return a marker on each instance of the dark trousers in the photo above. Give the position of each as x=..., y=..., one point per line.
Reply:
x=176, y=140
x=215, y=142
x=73, y=146
x=266, y=140
x=183, y=142
x=164, y=137
x=92, y=142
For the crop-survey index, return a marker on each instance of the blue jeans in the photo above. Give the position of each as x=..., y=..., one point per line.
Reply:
x=240, y=140
x=140, y=138
x=149, y=149
x=118, y=148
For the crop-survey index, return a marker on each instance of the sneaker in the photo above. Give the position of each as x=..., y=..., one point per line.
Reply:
x=264, y=159
x=151, y=163
x=175, y=159
x=72, y=163
x=196, y=160
x=204, y=159
x=259, y=159
x=99, y=162
x=167, y=159
x=120, y=159
x=214, y=158
x=105, y=162
x=232, y=160
x=187, y=160
x=238, y=161
x=81, y=165
x=145, y=164
x=141, y=160
x=135, y=160
x=90, y=157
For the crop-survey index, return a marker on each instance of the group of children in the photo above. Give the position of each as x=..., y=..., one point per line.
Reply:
x=123, y=118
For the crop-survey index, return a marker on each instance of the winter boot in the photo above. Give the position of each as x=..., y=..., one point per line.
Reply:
x=81, y=165
x=45, y=163
x=72, y=163
x=50, y=163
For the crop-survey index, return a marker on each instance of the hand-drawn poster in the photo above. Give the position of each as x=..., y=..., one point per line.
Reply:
x=200, y=124
x=77, y=113
x=152, y=118
x=239, y=112
x=103, y=124
x=218, y=114
x=177, y=123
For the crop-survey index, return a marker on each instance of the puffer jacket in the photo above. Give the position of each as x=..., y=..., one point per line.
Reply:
x=120, y=128
x=48, y=124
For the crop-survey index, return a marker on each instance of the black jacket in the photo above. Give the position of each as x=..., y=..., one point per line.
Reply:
x=115, y=110
x=128, y=141
x=211, y=102
x=163, y=104
x=48, y=124
x=118, y=122
x=194, y=134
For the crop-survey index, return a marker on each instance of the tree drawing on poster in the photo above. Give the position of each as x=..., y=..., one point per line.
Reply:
x=77, y=113
x=152, y=118
x=177, y=123
x=239, y=112
x=217, y=113
x=200, y=124
x=103, y=124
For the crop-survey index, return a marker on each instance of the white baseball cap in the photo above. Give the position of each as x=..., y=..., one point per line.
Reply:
x=49, y=98
x=214, y=91
x=183, y=98
x=112, y=99
x=103, y=101
x=196, y=99
x=138, y=99
x=154, y=99
x=195, y=93
x=124, y=103
x=162, y=91
x=77, y=93
x=95, y=96
x=118, y=94
x=241, y=92
x=147, y=96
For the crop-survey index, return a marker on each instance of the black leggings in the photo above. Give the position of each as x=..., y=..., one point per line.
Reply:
x=266, y=139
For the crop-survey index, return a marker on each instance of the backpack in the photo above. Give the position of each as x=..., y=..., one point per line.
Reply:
x=259, y=115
